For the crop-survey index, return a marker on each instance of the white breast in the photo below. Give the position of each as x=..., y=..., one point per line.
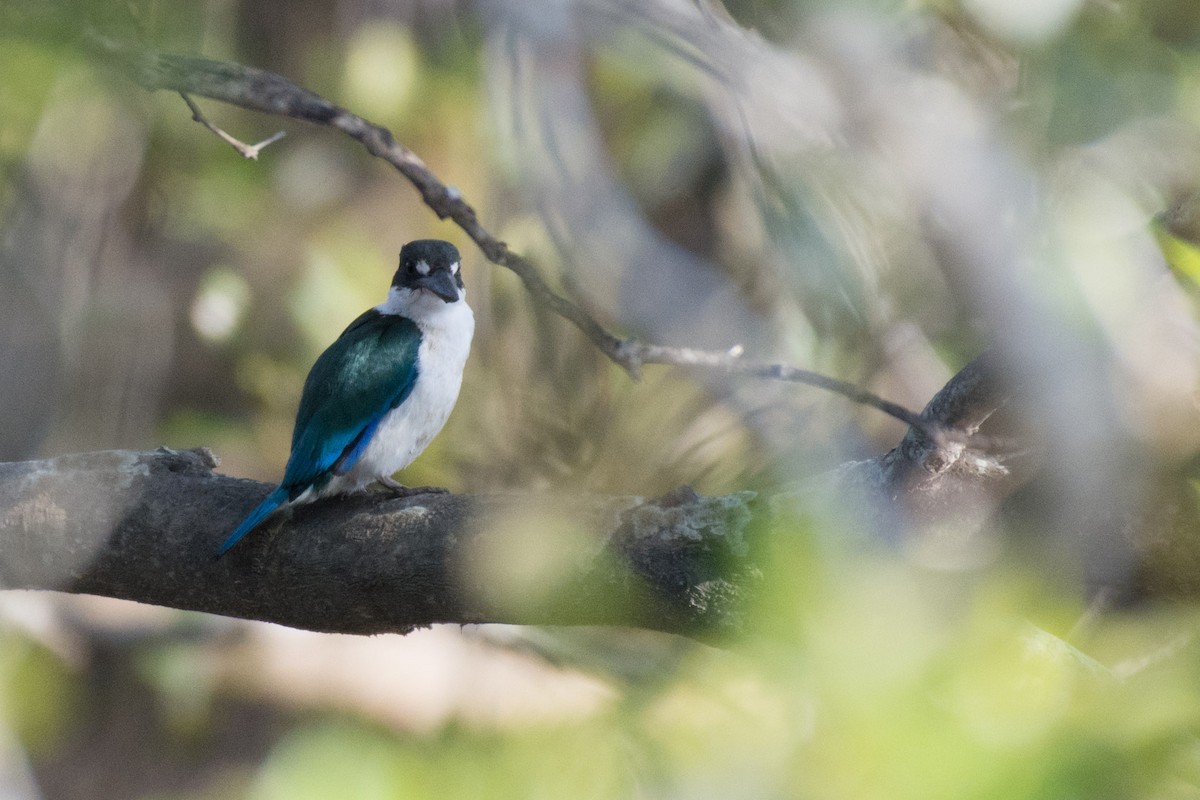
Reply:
x=446, y=331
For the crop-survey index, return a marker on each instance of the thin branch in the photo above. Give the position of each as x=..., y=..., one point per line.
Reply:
x=249, y=151
x=259, y=90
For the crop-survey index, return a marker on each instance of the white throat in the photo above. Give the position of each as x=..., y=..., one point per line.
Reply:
x=422, y=306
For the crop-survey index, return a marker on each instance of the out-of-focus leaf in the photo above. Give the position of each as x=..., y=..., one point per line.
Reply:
x=38, y=695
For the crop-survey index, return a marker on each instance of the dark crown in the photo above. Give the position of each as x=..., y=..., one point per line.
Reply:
x=424, y=257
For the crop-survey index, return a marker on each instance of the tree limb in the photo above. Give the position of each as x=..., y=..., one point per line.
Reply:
x=143, y=525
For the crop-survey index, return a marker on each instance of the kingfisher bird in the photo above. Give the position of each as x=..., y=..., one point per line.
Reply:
x=380, y=393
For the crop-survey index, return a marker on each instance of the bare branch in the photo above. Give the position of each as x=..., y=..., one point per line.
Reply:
x=269, y=93
x=250, y=151
x=142, y=526
x=927, y=480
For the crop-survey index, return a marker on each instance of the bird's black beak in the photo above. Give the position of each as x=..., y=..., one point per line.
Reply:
x=440, y=283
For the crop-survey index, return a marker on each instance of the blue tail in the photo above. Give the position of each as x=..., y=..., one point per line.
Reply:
x=274, y=500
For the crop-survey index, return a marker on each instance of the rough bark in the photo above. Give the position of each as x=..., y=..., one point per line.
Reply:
x=143, y=526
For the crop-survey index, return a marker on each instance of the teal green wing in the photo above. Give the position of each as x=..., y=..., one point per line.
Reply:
x=367, y=372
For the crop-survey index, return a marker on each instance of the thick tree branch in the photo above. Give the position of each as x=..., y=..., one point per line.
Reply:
x=142, y=526
x=269, y=93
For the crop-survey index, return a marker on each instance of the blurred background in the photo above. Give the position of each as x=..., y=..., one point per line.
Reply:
x=876, y=190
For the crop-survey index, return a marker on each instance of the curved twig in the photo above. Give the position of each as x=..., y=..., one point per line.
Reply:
x=249, y=151
x=269, y=93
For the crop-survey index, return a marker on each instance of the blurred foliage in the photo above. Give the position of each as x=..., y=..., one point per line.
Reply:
x=184, y=293
x=869, y=680
x=38, y=696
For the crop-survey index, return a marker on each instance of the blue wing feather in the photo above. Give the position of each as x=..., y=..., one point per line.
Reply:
x=350, y=455
x=367, y=372
x=370, y=370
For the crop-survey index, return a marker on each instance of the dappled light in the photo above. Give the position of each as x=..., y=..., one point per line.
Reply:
x=701, y=540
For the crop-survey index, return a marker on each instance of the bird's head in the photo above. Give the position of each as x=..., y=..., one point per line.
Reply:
x=430, y=267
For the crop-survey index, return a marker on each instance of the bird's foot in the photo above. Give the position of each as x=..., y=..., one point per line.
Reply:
x=400, y=490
